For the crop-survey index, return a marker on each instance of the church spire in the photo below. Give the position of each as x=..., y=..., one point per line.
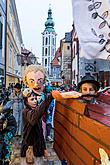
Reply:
x=49, y=24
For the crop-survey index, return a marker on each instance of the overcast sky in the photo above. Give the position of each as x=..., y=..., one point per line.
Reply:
x=33, y=15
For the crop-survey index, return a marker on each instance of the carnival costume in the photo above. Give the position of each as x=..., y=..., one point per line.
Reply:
x=7, y=130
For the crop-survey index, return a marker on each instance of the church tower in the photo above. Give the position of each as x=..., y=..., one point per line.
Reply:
x=48, y=42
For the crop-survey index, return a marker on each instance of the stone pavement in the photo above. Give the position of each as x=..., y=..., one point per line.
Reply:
x=52, y=158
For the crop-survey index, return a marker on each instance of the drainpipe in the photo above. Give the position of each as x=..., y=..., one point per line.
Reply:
x=5, y=40
x=71, y=77
x=77, y=61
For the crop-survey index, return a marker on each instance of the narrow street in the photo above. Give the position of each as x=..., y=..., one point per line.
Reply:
x=52, y=158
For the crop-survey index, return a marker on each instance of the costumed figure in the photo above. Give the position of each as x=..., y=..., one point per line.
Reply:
x=17, y=106
x=34, y=78
x=8, y=128
x=88, y=89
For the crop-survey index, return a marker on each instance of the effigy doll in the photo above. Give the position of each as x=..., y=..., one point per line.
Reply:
x=34, y=78
x=33, y=146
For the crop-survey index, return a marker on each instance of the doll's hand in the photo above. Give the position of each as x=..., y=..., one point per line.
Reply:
x=57, y=95
x=72, y=94
x=27, y=92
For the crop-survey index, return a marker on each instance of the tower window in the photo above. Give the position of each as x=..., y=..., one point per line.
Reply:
x=53, y=41
x=43, y=40
x=45, y=62
x=49, y=51
x=49, y=40
x=43, y=51
x=46, y=41
x=46, y=51
x=49, y=61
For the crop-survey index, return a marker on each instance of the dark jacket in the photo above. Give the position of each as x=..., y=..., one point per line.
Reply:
x=33, y=132
x=8, y=128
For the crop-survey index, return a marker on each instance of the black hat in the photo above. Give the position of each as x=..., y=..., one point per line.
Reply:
x=88, y=79
x=18, y=86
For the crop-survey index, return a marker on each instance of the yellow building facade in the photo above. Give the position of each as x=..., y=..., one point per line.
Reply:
x=13, y=44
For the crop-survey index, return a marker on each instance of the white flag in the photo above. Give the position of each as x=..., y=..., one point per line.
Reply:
x=92, y=23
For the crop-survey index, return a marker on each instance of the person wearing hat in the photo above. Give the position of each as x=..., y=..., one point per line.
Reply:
x=17, y=106
x=87, y=88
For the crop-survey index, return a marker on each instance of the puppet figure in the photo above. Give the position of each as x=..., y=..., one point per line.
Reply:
x=34, y=79
x=33, y=145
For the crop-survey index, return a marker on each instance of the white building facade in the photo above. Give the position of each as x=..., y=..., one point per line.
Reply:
x=48, y=43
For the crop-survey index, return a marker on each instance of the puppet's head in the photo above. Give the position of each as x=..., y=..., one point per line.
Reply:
x=30, y=98
x=34, y=78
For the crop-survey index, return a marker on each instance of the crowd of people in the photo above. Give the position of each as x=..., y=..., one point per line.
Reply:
x=28, y=112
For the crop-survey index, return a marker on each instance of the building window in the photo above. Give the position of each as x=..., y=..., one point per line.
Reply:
x=74, y=74
x=46, y=41
x=43, y=40
x=10, y=16
x=49, y=51
x=69, y=66
x=45, y=51
x=53, y=52
x=10, y=57
x=68, y=47
x=49, y=61
x=1, y=27
x=45, y=62
x=53, y=41
x=49, y=40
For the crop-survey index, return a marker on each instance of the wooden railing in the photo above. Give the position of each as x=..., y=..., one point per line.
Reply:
x=79, y=135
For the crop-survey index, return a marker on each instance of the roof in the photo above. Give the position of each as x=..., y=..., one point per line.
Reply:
x=55, y=61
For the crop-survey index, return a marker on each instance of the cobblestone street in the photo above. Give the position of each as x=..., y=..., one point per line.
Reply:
x=52, y=158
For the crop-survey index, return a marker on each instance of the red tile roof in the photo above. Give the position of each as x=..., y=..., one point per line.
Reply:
x=55, y=61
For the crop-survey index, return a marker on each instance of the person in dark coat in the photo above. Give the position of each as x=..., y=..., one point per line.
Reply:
x=33, y=139
x=8, y=128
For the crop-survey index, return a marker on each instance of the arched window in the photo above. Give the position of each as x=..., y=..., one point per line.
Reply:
x=46, y=41
x=43, y=40
x=45, y=51
x=45, y=62
x=53, y=41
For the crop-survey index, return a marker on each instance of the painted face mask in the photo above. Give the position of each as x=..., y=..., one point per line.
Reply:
x=35, y=81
